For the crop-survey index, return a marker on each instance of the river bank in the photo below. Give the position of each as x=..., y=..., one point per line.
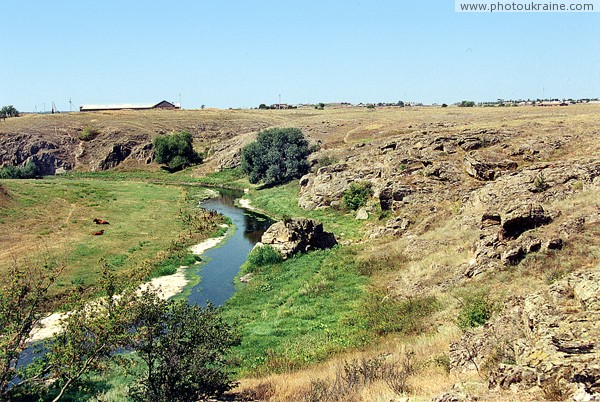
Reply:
x=168, y=286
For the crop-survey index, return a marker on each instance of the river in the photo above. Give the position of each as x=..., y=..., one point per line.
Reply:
x=223, y=262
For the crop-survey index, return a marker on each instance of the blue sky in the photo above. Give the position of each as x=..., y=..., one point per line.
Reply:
x=243, y=53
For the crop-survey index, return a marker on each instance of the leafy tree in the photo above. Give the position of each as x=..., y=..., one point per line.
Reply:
x=277, y=156
x=182, y=346
x=176, y=151
x=8, y=111
x=476, y=310
x=22, y=297
x=262, y=106
x=466, y=104
x=183, y=350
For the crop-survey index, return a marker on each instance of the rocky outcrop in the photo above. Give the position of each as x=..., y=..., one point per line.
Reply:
x=487, y=168
x=550, y=338
x=502, y=236
x=117, y=154
x=299, y=235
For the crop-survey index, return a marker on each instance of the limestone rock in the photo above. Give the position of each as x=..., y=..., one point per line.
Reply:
x=551, y=337
x=488, y=169
x=298, y=236
x=362, y=214
x=520, y=218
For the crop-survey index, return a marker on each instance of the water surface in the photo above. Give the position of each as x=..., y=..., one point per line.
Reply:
x=224, y=261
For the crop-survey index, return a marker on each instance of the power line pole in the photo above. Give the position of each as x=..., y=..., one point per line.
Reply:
x=279, y=104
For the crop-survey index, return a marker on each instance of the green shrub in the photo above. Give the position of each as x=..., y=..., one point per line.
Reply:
x=357, y=195
x=277, y=156
x=29, y=171
x=88, y=134
x=261, y=256
x=476, y=310
x=540, y=183
x=175, y=151
x=325, y=161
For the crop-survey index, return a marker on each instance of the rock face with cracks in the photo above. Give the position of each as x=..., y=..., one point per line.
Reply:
x=550, y=338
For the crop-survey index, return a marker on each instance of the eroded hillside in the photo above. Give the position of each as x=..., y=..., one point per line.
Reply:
x=501, y=203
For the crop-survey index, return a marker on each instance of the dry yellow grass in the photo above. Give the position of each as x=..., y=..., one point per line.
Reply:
x=430, y=256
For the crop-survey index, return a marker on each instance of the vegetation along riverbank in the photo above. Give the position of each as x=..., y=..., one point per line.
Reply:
x=461, y=232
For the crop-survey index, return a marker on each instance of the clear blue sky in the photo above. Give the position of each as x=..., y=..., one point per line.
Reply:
x=243, y=53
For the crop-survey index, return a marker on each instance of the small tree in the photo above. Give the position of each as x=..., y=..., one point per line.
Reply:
x=28, y=171
x=176, y=151
x=182, y=348
x=22, y=297
x=277, y=156
x=467, y=104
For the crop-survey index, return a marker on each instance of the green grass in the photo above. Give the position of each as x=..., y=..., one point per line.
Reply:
x=146, y=231
x=228, y=178
x=283, y=201
x=157, y=175
x=298, y=312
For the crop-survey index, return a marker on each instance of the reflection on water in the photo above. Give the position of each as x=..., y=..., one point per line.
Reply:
x=224, y=262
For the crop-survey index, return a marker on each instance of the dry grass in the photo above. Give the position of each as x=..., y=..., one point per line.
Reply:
x=430, y=379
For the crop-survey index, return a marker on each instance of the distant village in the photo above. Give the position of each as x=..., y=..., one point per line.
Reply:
x=497, y=103
x=166, y=105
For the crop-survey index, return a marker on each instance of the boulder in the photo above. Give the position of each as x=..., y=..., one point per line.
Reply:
x=362, y=214
x=298, y=235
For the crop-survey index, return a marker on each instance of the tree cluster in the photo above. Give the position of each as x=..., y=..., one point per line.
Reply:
x=8, y=111
x=176, y=151
x=277, y=156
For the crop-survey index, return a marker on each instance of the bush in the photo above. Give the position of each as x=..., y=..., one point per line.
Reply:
x=88, y=134
x=325, y=161
x=466, y=104
x=277, y=156
x=176, y=151
x=357, y=195
x=476, y=310
x=183, y=351
x=29, y=171
x=261, y=256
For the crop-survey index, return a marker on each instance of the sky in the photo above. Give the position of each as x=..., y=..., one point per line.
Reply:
x=239, y=54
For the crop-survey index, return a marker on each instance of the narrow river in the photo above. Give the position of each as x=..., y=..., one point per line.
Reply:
x=224, y=261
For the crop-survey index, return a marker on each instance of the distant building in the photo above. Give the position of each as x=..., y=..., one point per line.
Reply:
x=160, y=105
x=553, y=103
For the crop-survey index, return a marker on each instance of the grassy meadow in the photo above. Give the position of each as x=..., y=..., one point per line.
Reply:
x=52, y=219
